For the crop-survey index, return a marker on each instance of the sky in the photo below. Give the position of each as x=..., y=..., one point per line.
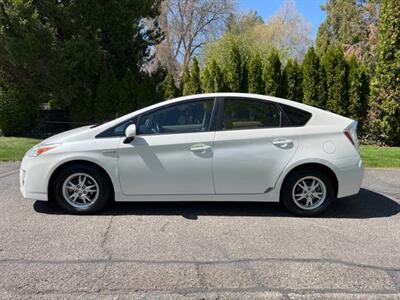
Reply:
x=310, y=9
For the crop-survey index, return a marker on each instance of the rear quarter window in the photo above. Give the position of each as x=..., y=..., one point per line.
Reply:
x=297, y=117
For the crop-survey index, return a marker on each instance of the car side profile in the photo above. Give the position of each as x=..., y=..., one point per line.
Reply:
x=209, y=147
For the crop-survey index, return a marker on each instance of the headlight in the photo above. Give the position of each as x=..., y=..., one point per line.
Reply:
x=40, y=149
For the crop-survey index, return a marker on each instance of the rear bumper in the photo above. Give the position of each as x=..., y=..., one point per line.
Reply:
x=350, y=178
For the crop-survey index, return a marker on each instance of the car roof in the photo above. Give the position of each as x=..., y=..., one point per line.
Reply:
x=235, y=95
x=318, y=115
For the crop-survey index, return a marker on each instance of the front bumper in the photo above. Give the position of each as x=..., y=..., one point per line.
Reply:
x=33, y=179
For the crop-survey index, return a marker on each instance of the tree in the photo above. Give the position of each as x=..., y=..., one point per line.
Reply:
x=170, y=89
x=195, y=77
x=150, y=90
x=188, y=25
x=358, y=92
x=19, y=110
x=336, y=70
x=217, y=78
x=244, y=84
x=293, y=81
x=351, y=25
x=324, y=39
x=238, y=24
x=102, y=106
x=255, y=77
x=233, y=69
x=187, y=88
x=386, y=83
x=314, y=80
x=272, y=75
x=57, y=51
x=207, y=84
x=286, y=31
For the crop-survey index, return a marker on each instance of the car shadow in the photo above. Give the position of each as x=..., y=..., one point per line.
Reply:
x=367, y=204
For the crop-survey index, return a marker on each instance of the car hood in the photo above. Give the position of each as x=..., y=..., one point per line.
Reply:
x=66, y=135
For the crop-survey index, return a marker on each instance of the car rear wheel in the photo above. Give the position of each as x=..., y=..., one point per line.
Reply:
x=307, y=192
x=81, y=189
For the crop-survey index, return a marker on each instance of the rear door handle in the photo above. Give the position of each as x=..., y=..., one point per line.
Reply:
x=282, y=143
x=199, y=148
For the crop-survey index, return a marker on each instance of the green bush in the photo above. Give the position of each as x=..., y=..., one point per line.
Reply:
x=18, y=112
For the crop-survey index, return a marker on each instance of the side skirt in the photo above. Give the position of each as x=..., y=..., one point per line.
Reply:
x=268, y=197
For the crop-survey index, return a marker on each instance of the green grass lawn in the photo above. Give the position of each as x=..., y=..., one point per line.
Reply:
x=380, y=157
x=373, y=156
x=12, y=148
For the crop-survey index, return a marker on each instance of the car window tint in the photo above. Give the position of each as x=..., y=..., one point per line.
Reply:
x=120, y=129
x=250, y=114
x=193, y=116
x=297, y=117
x=117, y=130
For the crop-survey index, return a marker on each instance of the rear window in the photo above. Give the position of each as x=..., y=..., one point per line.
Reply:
x=297, y=117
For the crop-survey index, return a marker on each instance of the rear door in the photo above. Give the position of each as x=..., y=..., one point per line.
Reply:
x=251, y=147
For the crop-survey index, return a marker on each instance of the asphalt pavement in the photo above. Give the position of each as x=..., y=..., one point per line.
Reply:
x=202, y=250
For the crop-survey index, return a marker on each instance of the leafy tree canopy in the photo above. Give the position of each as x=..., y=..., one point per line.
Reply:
x=71, y=52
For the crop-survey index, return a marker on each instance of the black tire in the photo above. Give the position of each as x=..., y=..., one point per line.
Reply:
x=104, y=190
x=287, y=189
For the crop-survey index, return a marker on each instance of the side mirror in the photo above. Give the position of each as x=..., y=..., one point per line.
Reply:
x=130, y=133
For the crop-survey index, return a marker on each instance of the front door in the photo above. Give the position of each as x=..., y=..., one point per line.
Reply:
x=251, y=149
x=172, y=153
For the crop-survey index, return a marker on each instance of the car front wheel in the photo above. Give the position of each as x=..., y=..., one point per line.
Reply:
x=308, y=192
x=81, y=189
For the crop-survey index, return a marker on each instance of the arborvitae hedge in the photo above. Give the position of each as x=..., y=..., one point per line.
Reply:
x=336, y=70
x=386, y=83
x=314, y=81
x=293, y=78
x=255, y=76
x=195, y=77
x=358, y=84
x=170, y=89
x=217, y=78
x=233, y=69
x=273, y=75
x=186, y=82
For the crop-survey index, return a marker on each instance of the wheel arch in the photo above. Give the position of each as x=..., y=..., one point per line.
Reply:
x=57, y=170
x=313, y=166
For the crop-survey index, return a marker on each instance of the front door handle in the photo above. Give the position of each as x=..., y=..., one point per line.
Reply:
x=282, y=143
x=199, y=148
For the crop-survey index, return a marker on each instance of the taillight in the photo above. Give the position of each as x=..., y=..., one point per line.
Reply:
x=348, y=135
x=351, y=133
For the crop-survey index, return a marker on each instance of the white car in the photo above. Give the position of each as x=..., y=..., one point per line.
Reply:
x=210, y=147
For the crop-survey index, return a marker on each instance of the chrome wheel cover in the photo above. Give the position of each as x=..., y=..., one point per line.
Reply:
x=80, y=190
x=309, y=193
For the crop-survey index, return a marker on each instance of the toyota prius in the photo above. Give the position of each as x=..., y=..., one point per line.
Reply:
x=209, y=147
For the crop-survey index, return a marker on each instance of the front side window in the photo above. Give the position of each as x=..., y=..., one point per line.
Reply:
x=193, y=116
x=250, y=114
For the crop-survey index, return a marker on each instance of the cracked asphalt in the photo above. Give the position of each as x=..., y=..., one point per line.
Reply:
x=202, y=250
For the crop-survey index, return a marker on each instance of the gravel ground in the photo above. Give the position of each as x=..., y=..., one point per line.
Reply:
x=202, y=250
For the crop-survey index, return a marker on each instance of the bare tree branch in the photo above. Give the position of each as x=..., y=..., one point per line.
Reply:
x=189, y=25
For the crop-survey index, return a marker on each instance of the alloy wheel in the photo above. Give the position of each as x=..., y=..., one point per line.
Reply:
x=309, y=193
x=80, y=190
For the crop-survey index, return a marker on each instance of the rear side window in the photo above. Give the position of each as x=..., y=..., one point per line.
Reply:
x=250, y=114
x=297, y=117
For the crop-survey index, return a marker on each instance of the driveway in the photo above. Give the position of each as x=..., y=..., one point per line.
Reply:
x=202, y=250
